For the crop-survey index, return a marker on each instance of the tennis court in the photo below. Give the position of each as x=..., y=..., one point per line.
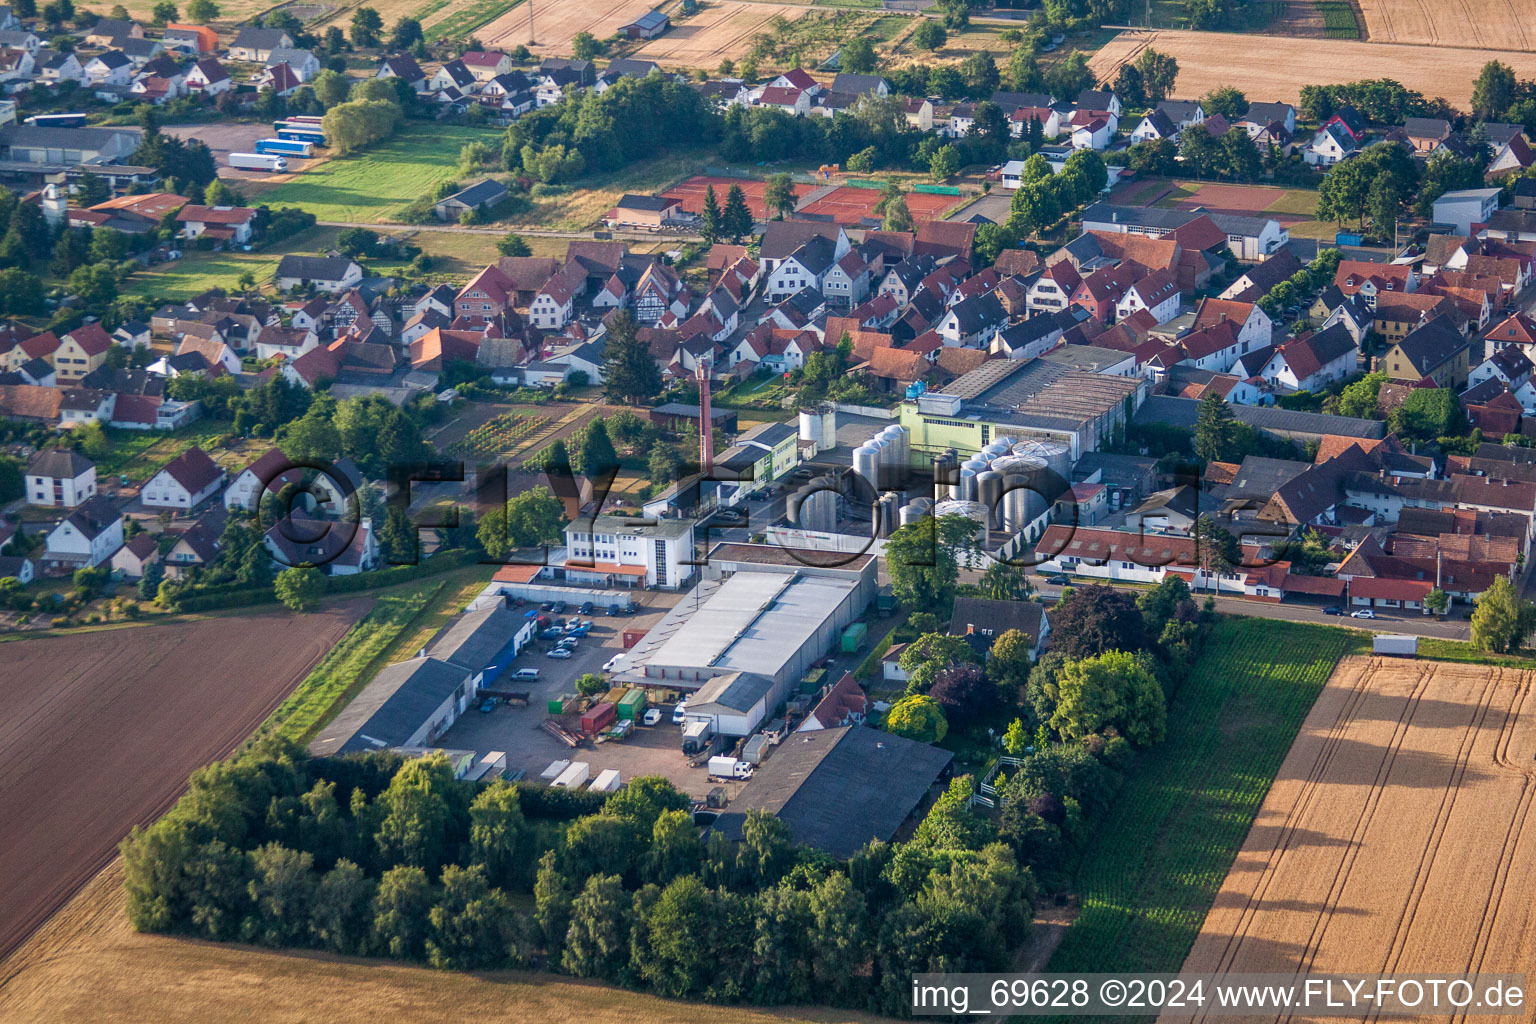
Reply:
x=691, y=192
x=848, y=205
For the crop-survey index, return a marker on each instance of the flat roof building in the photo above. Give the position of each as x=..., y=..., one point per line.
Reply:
x=838, y=789
x=752, y=622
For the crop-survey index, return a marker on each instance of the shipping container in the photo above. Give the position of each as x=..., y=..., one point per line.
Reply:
x=632, y=637
x=597, y=718
x=563, y=704
x=574, y=777
x=613, y=694
x=552, y=773
x=853, y=637
x=632, y=704
x=755, y=749
x=607, y=781
x=696, y=736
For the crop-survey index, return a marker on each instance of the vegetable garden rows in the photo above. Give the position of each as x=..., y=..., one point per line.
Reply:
x=499, y=435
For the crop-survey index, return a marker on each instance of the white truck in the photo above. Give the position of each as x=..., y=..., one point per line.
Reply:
x=573, y=777
x=257, y=162
x=607, y=781
x=722, y=767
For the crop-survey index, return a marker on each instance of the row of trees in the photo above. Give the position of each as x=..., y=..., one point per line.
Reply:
x=369, y=855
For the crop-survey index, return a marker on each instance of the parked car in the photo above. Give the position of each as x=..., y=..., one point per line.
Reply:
x=568, y=644
x=1363, y=613
x=678, y=712
x=526, y=673
x=559, y=607
x=1059, y=579
x=488, y=705
x=586, y=608
x=558, y=652
x=1333, y=609
x=651, y=716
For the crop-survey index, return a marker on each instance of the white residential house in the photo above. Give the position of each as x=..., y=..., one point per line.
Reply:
x=186, y=482
x=60, y=478
x=87, y=537
x=303, y=62
x=110, y=68
x=1157, y=293
x=209, y=77
x=1312, y=362
x=846, y=283
x=53, y=67
x=1094, y=134
x=1329, y=146
x=1153, y=126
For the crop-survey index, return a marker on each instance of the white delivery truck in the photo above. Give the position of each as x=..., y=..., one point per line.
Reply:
x=257, y=162
x=574, y=777
x=722, y=767
x=607, y=781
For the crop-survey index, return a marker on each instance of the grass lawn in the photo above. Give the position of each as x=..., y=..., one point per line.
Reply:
x=1166, y=845
x=197, y=271
x=140, y=453
x=374, y=185
x=1299, y=201
x=578, y=208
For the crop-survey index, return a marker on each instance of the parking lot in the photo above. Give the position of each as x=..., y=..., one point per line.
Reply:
x=648, y=750
x=224, y=139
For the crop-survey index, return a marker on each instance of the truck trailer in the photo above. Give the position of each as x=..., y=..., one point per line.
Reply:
x=286, y=147
x=607, y=781
x=257, y=162
x=574, y=777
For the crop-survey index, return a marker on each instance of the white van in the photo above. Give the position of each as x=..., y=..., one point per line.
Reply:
x=526, y=673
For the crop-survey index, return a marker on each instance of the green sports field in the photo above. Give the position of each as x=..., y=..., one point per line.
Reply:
x=375, y=185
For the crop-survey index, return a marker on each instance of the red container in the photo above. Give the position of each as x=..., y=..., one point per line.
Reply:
x=632, y=637
x=598, y=717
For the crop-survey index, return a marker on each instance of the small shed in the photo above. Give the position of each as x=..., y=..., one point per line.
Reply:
x=648, y=26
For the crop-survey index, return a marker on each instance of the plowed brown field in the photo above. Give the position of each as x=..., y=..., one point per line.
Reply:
x=1397, y=836
x=1494, y=24
x=1274, y=68
x=99, y=731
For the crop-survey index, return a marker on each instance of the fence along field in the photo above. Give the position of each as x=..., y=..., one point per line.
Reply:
x=1494, y=24
x=1159, y=858
x=1398, y=836
x=1205, y=62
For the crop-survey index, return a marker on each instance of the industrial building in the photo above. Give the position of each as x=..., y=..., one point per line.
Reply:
x=613, y=551
x=838, y=789
x=412, y=703
x=1023, y=399
x=743, y=640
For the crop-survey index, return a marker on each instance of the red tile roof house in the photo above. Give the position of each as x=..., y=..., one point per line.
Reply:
x=221, y=223
x=844, y=704
x=185, y=482
x=1102, y=290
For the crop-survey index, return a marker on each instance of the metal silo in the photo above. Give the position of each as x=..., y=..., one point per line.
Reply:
x=993, y=450
x=969, y=509
x=912, y=513
x=1024, y=477
x=989, y=493
x=946, y=474
x=1057, y=455
x=823, y=503
x=866, y=465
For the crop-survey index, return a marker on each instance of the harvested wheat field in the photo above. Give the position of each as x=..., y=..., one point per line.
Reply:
x=1490, y=24
x=88, y=965
x=1277, y=67
x=720, y=30
x=99, y=731
x=1397, y=836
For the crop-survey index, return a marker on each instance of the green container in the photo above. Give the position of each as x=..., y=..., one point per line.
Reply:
x=556, y=706
x=632, y=704
x=853, y=637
